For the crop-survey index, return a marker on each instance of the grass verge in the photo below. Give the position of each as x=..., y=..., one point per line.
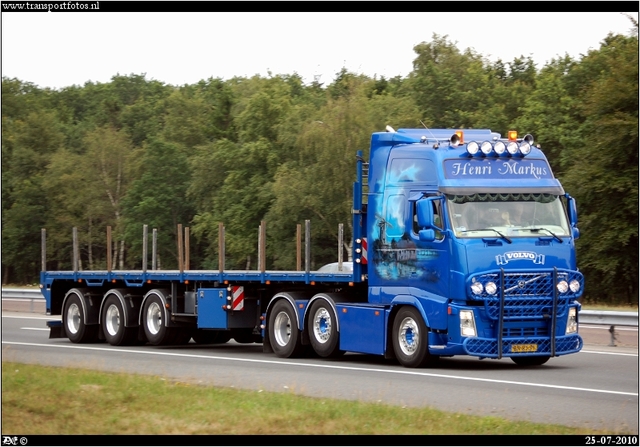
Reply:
x=44, y=400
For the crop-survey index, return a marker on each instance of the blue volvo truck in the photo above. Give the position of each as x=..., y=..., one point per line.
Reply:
x=463, y=244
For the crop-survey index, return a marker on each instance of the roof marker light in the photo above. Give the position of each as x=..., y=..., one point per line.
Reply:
x=513, y=135
x=473, y=148
x=500, y=148
x=486, y=147
x=512, y=148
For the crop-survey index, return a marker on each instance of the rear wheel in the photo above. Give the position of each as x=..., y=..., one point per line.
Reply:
x=154, y=322
x=284, y=334
x=410, y=339
x=113, y=324
x=73, y=320
x=531, y=361
x=323, y=329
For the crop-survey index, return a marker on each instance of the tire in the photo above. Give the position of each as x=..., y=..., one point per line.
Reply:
x=323, y=329
x=205, y=337
x=153, y=321
x=531, y=361
x=410, y=339
x=113, y=324
x=73, y=322
x=284, y=334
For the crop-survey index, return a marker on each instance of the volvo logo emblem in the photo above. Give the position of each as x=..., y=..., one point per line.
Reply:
x=521, y=284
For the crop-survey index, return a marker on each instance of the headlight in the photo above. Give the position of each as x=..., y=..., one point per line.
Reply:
x=491, y=288
x=477, y=288
x=499, y=148
x=574, y=285
x=525, y=148
x=572, y=321
x=512, y=148
x=562, y=286
x=467, y=323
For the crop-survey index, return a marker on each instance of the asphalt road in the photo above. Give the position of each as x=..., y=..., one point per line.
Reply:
x=596, y=388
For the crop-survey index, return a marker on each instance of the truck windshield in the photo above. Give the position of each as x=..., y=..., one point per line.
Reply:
x=517, y=215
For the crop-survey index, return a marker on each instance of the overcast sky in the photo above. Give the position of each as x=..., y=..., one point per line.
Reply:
x=62, y=49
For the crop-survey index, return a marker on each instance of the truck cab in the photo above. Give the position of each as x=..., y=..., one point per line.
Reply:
x=474, y=232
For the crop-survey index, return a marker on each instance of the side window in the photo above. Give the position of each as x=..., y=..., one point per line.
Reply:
x=394, y=219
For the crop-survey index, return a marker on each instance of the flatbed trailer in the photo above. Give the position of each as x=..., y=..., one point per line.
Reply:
x=463, y=243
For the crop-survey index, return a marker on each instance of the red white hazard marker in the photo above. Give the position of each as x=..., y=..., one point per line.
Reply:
x=364, y=250
x=238, y=298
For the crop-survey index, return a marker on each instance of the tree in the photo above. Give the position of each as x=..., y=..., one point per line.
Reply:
x=157, y=198
x=602, y=169
x=86, y=191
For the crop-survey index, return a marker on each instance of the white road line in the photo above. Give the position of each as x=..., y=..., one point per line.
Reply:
x=35, y=328
x=347, y=368
x=604, y=327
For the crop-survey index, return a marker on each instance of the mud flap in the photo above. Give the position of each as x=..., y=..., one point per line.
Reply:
x=56, y=330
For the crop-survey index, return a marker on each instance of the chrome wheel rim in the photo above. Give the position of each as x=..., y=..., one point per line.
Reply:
x=322, y=325
x=154, y=318
x=112, y=320
x=282, y=329
x=408, y=336
x=73, y=318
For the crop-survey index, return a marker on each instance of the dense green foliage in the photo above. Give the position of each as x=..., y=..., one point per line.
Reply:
x=135, y=152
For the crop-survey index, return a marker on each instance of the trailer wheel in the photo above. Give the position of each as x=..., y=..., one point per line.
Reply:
x=113, y=324
x=155, y=326
x=531, y=361
x=73, y=321
x=284, y=334
x=323, y=329
x=410, y=339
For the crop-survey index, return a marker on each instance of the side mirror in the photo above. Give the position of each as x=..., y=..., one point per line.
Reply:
x=573, y=215
x=427, y=235
x=424, y=209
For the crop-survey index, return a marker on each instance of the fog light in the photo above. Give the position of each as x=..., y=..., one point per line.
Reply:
x=574, y=285
x=491, y=288
x=477, y=288
x=562, y=286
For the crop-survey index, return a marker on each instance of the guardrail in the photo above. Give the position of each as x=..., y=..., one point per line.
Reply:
x=604, y=317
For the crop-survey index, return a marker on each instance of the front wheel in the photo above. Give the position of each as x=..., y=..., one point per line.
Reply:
x=323, y=329
x=284, y=334
x=155, y=324
x=73, y=320
x=410, y=339
x=536, y=360
x=113, y=324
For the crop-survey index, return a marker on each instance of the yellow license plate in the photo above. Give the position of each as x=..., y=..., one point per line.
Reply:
x=524, y=348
